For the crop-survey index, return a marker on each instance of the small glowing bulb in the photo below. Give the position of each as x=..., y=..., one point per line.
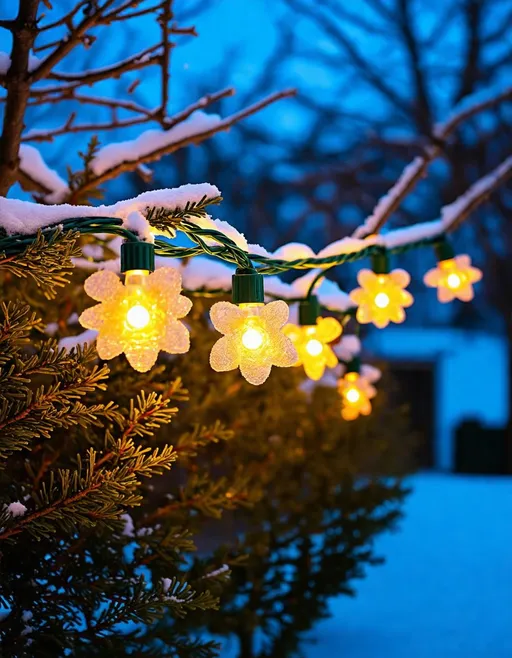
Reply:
x=314, y=347
x=252, y=339
x=381, y=300
x=453, y=281
x=138, y=316
x=352, y=395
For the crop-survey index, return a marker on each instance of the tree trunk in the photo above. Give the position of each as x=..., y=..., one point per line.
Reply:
x=17, y=84
x=246, y=644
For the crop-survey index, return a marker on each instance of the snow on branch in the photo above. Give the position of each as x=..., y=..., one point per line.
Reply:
x=25, y=217
x=38, y=175
x=413, y=173
x=5, y=62
x=455, y=213
x=116, y=159
x=150, y=141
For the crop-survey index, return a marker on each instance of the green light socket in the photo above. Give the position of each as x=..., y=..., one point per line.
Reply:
x=247, y=286
x=309, y=310
x=137, y=256
x=444, y=250
x=354, y=365
x=380, y=262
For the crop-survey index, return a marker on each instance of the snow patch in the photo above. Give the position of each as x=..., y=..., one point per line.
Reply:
x=33, y=165
x=5, y=62
x=150, y=141
x=16, y=509
x=129, y=528
x=24, y=217
x=86, y=337
x=137, y=223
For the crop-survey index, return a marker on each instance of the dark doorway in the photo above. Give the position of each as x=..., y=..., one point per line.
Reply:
x=414, y=387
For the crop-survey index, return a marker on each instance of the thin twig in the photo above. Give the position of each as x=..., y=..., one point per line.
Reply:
x=415, y=171
x=225, y=124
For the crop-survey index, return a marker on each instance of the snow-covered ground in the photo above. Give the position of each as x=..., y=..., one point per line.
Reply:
x=446, y=587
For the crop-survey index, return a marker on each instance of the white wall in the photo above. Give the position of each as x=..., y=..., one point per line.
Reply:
x=471, y=376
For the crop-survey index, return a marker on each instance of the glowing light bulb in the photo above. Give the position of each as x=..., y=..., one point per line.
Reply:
x=252, y=339
x=314, y=347
x=381, y=298
x=453, y=278
x=352, y=395
x=453, y=281
x=138, y=316
x=312, y=344
x=356, y=392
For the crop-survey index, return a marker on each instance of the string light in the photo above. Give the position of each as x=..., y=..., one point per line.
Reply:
x=253, y=338
x=382, y=297
x=312, y=337
x=454, y=276
x=356, y=393
x=141, y=317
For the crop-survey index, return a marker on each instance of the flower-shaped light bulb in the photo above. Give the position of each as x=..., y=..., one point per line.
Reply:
x=382, y=297
x=312, y=344
x=139, y=318
x=356, y=393
x=253, y=339
x=453, y=278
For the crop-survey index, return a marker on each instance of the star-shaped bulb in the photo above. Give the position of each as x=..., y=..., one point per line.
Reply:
x=139, y=318
x=312, y=344
x=454, y=279
x=381, y=299
x=356, y=393
x=253, y=339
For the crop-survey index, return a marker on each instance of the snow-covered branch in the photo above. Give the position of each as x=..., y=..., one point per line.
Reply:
x=36, y=175
x=415, y=171
x=455, y=213
x=25, y=217
x=118, y=158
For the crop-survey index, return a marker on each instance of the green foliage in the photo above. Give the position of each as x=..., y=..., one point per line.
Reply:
x=139, y=519
x=46, y=259
x=166, y=221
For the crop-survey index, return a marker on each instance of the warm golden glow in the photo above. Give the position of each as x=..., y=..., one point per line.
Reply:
x=352, y=395
x=381, y=298
x=312, y=344
x=139, y=318
x=253, y=339
x=356, y=393
x=454, y=279
x=314, y=347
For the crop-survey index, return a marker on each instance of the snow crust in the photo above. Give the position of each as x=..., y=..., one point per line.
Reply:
x=150, y=141
x=16, y=509
x=5, y=62
x=32, y=164
x=24, y=217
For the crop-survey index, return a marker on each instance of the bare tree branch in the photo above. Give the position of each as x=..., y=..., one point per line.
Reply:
x=415, y=171
x=130, y=165
x=164, y=19
x=73, y=39
x=455, y=213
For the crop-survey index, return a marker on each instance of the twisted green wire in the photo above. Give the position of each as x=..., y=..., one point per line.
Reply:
x=225, y=249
